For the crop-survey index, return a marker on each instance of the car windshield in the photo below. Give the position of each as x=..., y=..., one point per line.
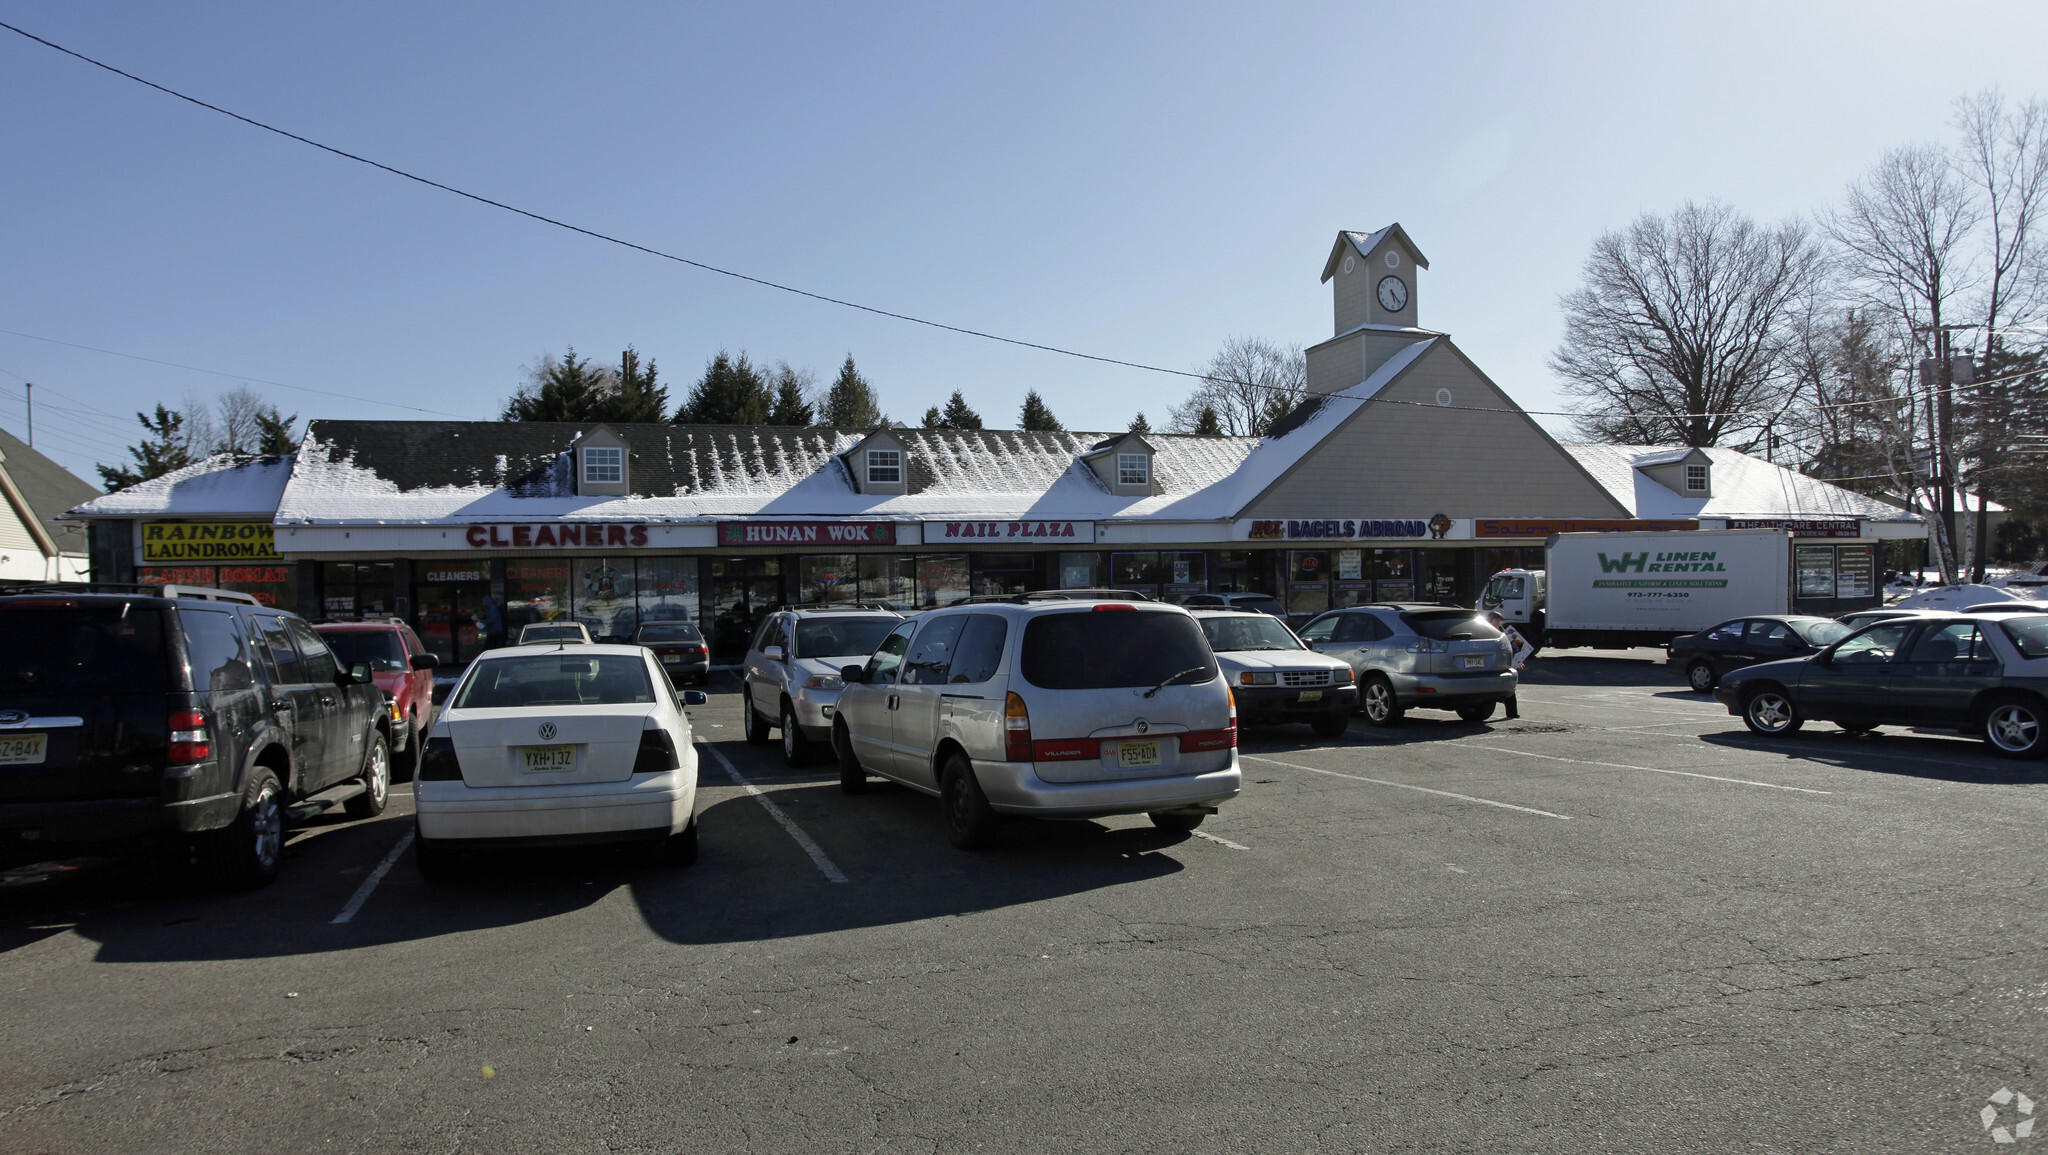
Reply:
x=671, y=632
x=1248, y=633
x=842, y=637
x=555, y=680
x=551, y=633
x=378, y=649
x=2028, y=634
x=102, y=649
x=1821, y=633
x=1450, y=625
x=1099, y=650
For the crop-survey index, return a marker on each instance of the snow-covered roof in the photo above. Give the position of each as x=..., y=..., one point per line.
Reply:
x=220, y=486
x=1744, y=486
x=1365, y=243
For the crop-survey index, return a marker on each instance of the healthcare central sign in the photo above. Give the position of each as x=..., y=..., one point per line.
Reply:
x=196, y=541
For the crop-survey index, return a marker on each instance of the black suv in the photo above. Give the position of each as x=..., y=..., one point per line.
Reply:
x=193, y=712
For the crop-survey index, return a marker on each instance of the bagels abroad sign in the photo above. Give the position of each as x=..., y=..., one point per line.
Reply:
x=548, y=535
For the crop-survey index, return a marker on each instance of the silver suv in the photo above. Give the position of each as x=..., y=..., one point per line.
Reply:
x=1409, y=655
x=791, y=680
x=1044, y=706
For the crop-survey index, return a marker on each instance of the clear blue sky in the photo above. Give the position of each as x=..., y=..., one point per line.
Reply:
x=1138, y=181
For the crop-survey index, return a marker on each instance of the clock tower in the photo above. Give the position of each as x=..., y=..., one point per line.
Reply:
x=1374, y=291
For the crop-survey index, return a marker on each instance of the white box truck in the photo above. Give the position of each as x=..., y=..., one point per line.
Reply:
x=1619, y=590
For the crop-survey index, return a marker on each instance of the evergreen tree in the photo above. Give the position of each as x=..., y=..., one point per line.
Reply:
x=1207, y=423
x=851, y=402
x=635, y=394
x=958, y=415
x=791, y=406
x=730, y=393
x=274, y=433
x=1036, y=416
x=571, y=389
x=1140, y=425
x=932, y=420
x=161, y=452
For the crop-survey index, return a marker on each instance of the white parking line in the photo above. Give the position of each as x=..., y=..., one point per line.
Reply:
x=362, y=894
x=1213, y=838
x=1406, y=786
x=1650, y=769
x=831, y=872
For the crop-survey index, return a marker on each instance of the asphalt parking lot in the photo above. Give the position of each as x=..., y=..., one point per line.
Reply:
x=1619, y=923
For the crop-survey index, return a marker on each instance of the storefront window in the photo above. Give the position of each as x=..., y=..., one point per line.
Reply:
x=667, y=589
x=941, y=580
x=179, y=575
x=535, y=591
x=1080, y=571
x=452, y=610
x=1436, y=574
x=350, y=589
x=889, y=580
x=605, y=599
x=1813, y=567
x=1855, y=571
x=276, y=584
x=1185, y=573
x=1308, y=581
x=1135, y=571
x=1393, y=577
x=1005, y=573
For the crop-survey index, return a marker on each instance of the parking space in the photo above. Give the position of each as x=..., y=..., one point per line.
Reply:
x=1542, y=925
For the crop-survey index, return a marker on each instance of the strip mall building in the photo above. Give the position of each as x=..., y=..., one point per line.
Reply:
x=1407, y=475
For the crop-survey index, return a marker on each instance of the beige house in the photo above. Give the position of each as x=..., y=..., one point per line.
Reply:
x=34, y=491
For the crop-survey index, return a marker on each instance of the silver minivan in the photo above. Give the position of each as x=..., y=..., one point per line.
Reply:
x=1044, y=707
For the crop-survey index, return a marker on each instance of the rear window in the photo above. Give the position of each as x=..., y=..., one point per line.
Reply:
x=2029, y=634
x=378, y=649
x=845, y=637
x=677, y=632
x=1100, y=650
x=551, y=633
x=555, y=679
x=1450, y=625
x=98, y=649
x=1821, y=633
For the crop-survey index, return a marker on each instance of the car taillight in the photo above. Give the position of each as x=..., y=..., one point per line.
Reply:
x=1115, y=606
x=438, y=763
x=657, y=753
x=1016, y=730
x=189, y=742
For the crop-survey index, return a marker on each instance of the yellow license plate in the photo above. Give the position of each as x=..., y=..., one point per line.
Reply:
x=1137, y=753
x=23, y=749
x=1311, y=695
x=544, y=759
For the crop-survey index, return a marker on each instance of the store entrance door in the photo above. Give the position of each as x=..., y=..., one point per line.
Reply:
x=449, y=617
x=744, y=590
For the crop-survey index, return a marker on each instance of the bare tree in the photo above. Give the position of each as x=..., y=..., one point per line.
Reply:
x=238, y=426
x=1680, y=325
x=1250, y=383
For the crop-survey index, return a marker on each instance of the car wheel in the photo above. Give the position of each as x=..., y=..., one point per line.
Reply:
x=1770, y=711
x=1701, y=677
x=853, y=779
x=248, y=851
x=970, y=821
x=1179, y=823
x=436, y=863
x=1382, y=708
x=756, y=725
x=1478, y=712
x=2016, y=729
x=796, y=749
x=1331, y=725
x=376, y=782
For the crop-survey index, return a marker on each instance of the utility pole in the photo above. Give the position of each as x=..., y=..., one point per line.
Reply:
x=31, y=413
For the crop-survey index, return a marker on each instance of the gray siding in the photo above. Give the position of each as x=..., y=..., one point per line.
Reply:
x=1417, y=462
x=1338, y=364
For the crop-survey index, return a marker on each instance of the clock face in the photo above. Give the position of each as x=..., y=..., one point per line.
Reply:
x=1393, y=294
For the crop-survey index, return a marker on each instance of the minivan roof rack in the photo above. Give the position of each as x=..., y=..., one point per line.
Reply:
x=155, y=591
x=372, y=620
x=1098, y=595
x=835, y=607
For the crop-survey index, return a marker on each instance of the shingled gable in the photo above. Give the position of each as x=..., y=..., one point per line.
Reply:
x=1489, y=460
x=887, y=471
x=1363, y=245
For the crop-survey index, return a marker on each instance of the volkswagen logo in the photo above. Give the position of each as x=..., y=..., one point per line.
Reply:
x=1143, y=726
x=547, y=731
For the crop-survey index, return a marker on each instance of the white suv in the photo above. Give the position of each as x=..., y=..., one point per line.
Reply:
x=791, y=676
x=1044, y=706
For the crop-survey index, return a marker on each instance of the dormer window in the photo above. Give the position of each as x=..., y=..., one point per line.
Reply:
x=604, y=465
x=1695, y=479
x=885, y=467
x=1133, y=469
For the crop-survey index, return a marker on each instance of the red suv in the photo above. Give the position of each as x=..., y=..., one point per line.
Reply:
x=401, y=667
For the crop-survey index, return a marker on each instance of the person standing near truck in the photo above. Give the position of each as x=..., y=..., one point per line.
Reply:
x=1522, y=651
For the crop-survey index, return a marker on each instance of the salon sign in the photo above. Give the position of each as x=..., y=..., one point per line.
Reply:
x=937, y=531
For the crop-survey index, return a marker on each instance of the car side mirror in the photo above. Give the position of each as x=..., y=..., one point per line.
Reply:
x=853, y=674
x=772, y=653
x=695, y=697
x=360, y=672
x=423, y=661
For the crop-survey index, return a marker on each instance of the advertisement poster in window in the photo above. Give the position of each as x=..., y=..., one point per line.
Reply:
x=668, y=589
x=604, y=597
x=1855, y=571
x=1350, y=564
x=1814, y=568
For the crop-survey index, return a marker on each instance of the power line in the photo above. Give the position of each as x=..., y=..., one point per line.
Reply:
x=593, y=233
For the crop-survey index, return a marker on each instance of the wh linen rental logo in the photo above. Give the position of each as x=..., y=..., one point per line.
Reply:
x=1995, y=1116
x=1693, y=561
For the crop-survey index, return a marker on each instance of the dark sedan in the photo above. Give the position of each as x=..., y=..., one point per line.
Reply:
x=1708, y=656
x=1978, y=674
x=680, y=649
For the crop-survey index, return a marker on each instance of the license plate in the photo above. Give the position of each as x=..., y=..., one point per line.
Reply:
x=1311, y=695
x=1137, y=753
x=1475, y=662
x=544, y=759
x=671, y=659
x=23, y=749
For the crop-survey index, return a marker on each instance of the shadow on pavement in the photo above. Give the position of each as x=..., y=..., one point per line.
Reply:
x=1898, y=752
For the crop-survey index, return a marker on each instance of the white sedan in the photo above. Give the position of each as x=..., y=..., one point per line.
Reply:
x=566, y=746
